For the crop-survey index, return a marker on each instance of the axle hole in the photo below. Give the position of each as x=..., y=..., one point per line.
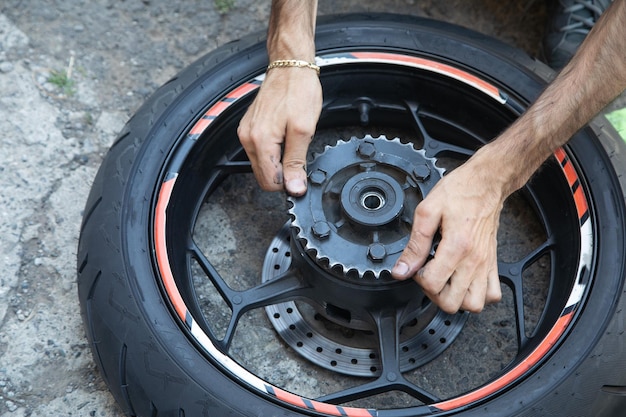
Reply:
x=372, y=200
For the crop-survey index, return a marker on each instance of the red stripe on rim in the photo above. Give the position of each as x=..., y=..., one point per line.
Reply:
x=242, y=90
x=581, y=203
x=219, y=107
x=325, y=408
x=160, y=248
x=289, y=397
x=572, y=179
x=200, y=126
x=432, y=65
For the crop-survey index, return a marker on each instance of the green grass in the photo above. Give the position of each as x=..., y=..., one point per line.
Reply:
x=618, y=120
x=224, y=6
x=62, y=81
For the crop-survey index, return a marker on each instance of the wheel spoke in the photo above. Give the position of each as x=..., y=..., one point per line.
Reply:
x=220, y=285
x=285, y=287
x=391, y=378
x=234, y=167
x=432, y=146
x=511, y=273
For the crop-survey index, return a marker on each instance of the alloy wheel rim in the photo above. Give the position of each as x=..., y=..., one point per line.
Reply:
x=174, y=253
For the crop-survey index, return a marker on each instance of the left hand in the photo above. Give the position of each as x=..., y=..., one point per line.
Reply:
x=465, y=207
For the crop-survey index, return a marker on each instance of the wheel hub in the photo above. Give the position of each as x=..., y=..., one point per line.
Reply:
x=356, y=217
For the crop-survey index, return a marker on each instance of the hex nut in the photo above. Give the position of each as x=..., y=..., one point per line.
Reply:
x=376, y=252
x=366, y=149
x=321, y=230
x=421, y=172
x=317, y=177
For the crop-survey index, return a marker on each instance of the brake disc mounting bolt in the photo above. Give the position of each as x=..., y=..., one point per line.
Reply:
x=376, y=252
x=421, y=172
x=321, y=230
x=366, y=149
x=317, y=177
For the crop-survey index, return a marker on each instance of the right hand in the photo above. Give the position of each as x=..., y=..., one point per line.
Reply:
x=285, y=111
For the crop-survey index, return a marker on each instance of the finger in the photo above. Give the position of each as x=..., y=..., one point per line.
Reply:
x=474, y=298
x=297, y=143
x=437, y=272
x=425, y=225
x=264, y=156
x=268, y=169
x=494, y=289
x=450, y=298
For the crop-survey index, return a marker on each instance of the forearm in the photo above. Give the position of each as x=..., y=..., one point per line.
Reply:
x=594, y=77
x=292, y=30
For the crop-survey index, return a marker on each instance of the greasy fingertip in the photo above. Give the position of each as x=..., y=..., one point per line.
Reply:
x=296, y=187
x=400, y=270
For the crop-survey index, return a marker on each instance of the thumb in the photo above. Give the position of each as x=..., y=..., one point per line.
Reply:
x=294, y=161
x=415, y=254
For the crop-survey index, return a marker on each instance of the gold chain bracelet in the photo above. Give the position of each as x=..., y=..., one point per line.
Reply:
x=285, y=63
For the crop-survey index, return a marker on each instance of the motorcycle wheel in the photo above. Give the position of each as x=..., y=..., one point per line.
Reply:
x=184, y=266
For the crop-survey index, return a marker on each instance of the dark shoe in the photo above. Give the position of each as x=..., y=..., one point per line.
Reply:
x=570, y=22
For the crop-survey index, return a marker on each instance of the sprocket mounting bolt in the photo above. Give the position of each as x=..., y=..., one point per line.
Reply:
x=317, y=177
x=321, y=230
x=366, y=149
x=376, y=252
x=421, y=172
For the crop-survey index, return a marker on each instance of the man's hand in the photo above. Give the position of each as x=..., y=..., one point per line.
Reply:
x=465, y=205
x=285, y=111
x=277, y=128
x=463, y=274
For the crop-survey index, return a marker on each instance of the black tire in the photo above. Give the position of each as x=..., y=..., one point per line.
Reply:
x=159, y=356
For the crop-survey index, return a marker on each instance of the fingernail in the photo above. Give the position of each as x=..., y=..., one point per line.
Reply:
x=400, y=269
x=296, y=187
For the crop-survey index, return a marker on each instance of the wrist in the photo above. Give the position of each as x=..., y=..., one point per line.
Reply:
x=500, y=167
x=290, y=46
x=291, y=34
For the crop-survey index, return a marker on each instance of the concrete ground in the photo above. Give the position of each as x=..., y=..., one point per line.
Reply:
x=71, y=73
